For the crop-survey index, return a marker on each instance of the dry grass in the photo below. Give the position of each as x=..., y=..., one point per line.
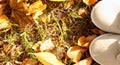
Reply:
x=64, y=28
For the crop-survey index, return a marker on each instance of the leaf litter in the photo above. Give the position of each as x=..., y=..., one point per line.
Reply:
x=49, y=32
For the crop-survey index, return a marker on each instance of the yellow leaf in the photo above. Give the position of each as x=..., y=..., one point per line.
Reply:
x=19, y=11
x=36, y=7
x=48, y=58
x=29, y=61
x=4, y=22
x=87, y=61
x=90, y=2
x=82, y=40
x=75, y=53
x=57, y=0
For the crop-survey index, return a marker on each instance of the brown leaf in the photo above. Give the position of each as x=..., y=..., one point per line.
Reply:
x=97, y=31
x=75, y=53
x=2, y=7
x=90, y=2
x=4, y=22
x=36, y=7
x=29, y=61
x=47, y=58
x=19, y=11
x=82, y=40
x=87, y=61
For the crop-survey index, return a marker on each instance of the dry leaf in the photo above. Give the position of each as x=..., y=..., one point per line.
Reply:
x=29, y=61
x=48, y=58
x=19, y=11
x=4, y=22
x=36, y=46
x=47, y=45
x=57, y=0
x=2, y=7
x=90, y=2
x=82, y=40
x=87, y=61
x=36, y=7
x=75, y=53
x=97, y=31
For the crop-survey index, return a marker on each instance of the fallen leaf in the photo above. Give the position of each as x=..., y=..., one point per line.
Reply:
x=47, y=45
x=29, y=61
x=90, y=2
x=4, y=22
x=101, y=32
x=19, y=11
x=75, y=53
x=82, y=40
x=36, y=7
x=97, y=31
x=48, y=58
x=87, y=61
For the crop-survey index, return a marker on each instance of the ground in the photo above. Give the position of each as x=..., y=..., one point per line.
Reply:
x=31, y=23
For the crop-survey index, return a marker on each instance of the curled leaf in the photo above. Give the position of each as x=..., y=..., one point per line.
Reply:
x=87, y=61
x=19, y=11
x=29, y=61
x=75, y=53
x=90, y=2
x=82, y=40
x=2, y=7
x=4, y=22
x=48, y=58
x=36, y=7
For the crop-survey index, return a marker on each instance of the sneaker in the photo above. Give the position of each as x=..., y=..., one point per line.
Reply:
x=106, y=15
x=105, y=49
